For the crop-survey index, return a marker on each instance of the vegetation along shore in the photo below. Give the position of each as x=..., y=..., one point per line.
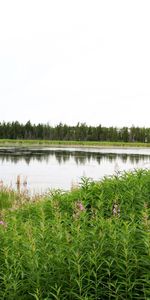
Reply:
x=90, y=243
x=79, y=132
x=55, y=143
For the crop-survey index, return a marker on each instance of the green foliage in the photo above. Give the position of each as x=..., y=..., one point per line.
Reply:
x=90, y=243
x=80, y=132
x=7, y=198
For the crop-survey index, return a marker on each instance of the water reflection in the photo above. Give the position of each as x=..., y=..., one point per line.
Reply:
x=63, y=156
x=40, y=169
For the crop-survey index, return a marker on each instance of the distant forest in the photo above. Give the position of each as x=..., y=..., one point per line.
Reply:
x=80, y=132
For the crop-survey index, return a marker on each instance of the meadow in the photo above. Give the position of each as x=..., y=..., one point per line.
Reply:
x=63, y=143
x=92, y=242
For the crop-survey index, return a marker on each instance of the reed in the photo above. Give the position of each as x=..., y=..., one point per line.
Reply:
x=90, y=243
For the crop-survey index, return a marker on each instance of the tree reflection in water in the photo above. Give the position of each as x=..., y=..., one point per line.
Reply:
x=63, y=156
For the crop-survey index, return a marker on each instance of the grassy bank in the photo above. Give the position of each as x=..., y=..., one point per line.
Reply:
x=8, y=142
x=90, y=243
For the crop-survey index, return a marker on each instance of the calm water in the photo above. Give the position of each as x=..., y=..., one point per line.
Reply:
x=46, y=168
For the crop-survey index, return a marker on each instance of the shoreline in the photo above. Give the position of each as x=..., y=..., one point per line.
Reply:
x=83, y=144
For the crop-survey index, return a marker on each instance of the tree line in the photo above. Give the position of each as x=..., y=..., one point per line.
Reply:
x=80, y=132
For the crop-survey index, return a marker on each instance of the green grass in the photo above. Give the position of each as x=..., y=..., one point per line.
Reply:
x=90, y=243
x=11, y=142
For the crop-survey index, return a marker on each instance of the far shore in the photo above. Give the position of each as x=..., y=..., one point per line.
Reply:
x=54, y=143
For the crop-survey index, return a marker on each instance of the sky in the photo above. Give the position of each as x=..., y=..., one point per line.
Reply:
x=75, y=61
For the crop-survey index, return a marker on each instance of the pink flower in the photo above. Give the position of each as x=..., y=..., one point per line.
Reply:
x=2, y=223
x=80, y=206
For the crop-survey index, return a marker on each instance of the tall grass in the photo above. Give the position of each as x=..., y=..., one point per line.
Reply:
x=90, y=243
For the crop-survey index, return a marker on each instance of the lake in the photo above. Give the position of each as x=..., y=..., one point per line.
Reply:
x=52, y=168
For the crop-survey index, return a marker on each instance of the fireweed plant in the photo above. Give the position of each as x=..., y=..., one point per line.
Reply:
x=90, y=243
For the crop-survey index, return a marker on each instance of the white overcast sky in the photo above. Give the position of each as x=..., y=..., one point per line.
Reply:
x=75, y=61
